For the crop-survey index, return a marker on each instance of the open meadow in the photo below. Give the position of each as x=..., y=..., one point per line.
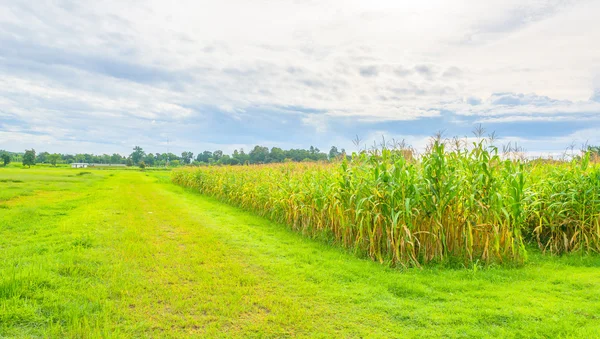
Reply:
x=299, y=169
x=126, y=253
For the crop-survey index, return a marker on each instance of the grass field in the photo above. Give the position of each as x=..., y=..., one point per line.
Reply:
x=93, y=253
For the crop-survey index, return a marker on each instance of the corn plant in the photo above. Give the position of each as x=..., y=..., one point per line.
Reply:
x=466, y=204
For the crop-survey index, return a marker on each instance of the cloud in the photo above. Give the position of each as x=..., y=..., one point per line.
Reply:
x=510, y=106
x=515, y=99
x=425, y=70
x=98, y=71
x=369, y=71
x=539, y=118
x=473, y=101
x=318, y=121
x=596, y=96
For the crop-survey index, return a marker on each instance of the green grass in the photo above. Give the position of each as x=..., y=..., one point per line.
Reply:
x=128, y=254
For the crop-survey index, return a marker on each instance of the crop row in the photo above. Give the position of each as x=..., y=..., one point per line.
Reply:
x=465, y=205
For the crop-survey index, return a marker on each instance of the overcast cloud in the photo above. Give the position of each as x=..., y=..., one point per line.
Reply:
x=103, y=76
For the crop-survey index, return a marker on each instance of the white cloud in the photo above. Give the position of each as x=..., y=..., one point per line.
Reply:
x=317, y=121
x=372, y=61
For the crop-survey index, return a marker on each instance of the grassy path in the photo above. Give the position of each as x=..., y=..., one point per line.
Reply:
x=128, y=254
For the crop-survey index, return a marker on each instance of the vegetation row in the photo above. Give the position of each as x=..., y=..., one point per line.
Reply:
x=467, y=204
x=139, y=157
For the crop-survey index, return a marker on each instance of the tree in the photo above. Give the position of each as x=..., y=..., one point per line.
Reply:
x=142, y=165
x=53, y=158
x=204, y=156
x=149, y=159
x=116, y=158
x=68, y=158
x=5, y=158
x=42, y=157
x=333, y=153
x=276, y=155
x=240, y=157
x=187, y=157
x=129, y=162
x=226, y=160
x=259, y=155
x=218, y=154
x=29, y=158
x=137, y=155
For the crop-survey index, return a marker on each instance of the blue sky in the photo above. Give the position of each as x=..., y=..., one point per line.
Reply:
x=103, y=76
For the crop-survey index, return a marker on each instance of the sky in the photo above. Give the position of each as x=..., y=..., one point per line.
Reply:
x=103, y=76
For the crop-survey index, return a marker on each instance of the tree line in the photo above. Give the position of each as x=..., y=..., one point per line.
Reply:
x=258, y=155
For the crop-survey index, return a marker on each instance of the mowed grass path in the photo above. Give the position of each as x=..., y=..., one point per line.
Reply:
x=128, y=254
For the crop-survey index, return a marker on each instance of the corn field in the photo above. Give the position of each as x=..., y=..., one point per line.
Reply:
x=468, y=204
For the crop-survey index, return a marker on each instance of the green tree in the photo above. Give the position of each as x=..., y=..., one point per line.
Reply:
x=149, y=159
x=276, y=155
x=333, y=153
x=5, y=158
x=42, y=157
x=137, y=155
x=142, y=165
x=259, y=155
x=218, y=154
x=53, y=158
x=240, y=157
x=204, y=156
x=116, y=158
x=29, y=157
x=187, y=157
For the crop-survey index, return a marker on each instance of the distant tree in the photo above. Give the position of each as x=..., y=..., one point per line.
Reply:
x=231, y=160
x=298, y=154
x=29, y=158
x=241, y=157
x=204, y=156
x=149, y=159
x=137, y=155
x=5, y=158
x=129, y=162
x=226, y=160
x=259, y=155
x=53, y=158
x=171, y=157
x=187, y=157
x=68, y=158
x=116, y=158
x=142, y=165
x=276, y=155
x=42, y=157
x=344, y=154
x=217, y=155
x=333, y=153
